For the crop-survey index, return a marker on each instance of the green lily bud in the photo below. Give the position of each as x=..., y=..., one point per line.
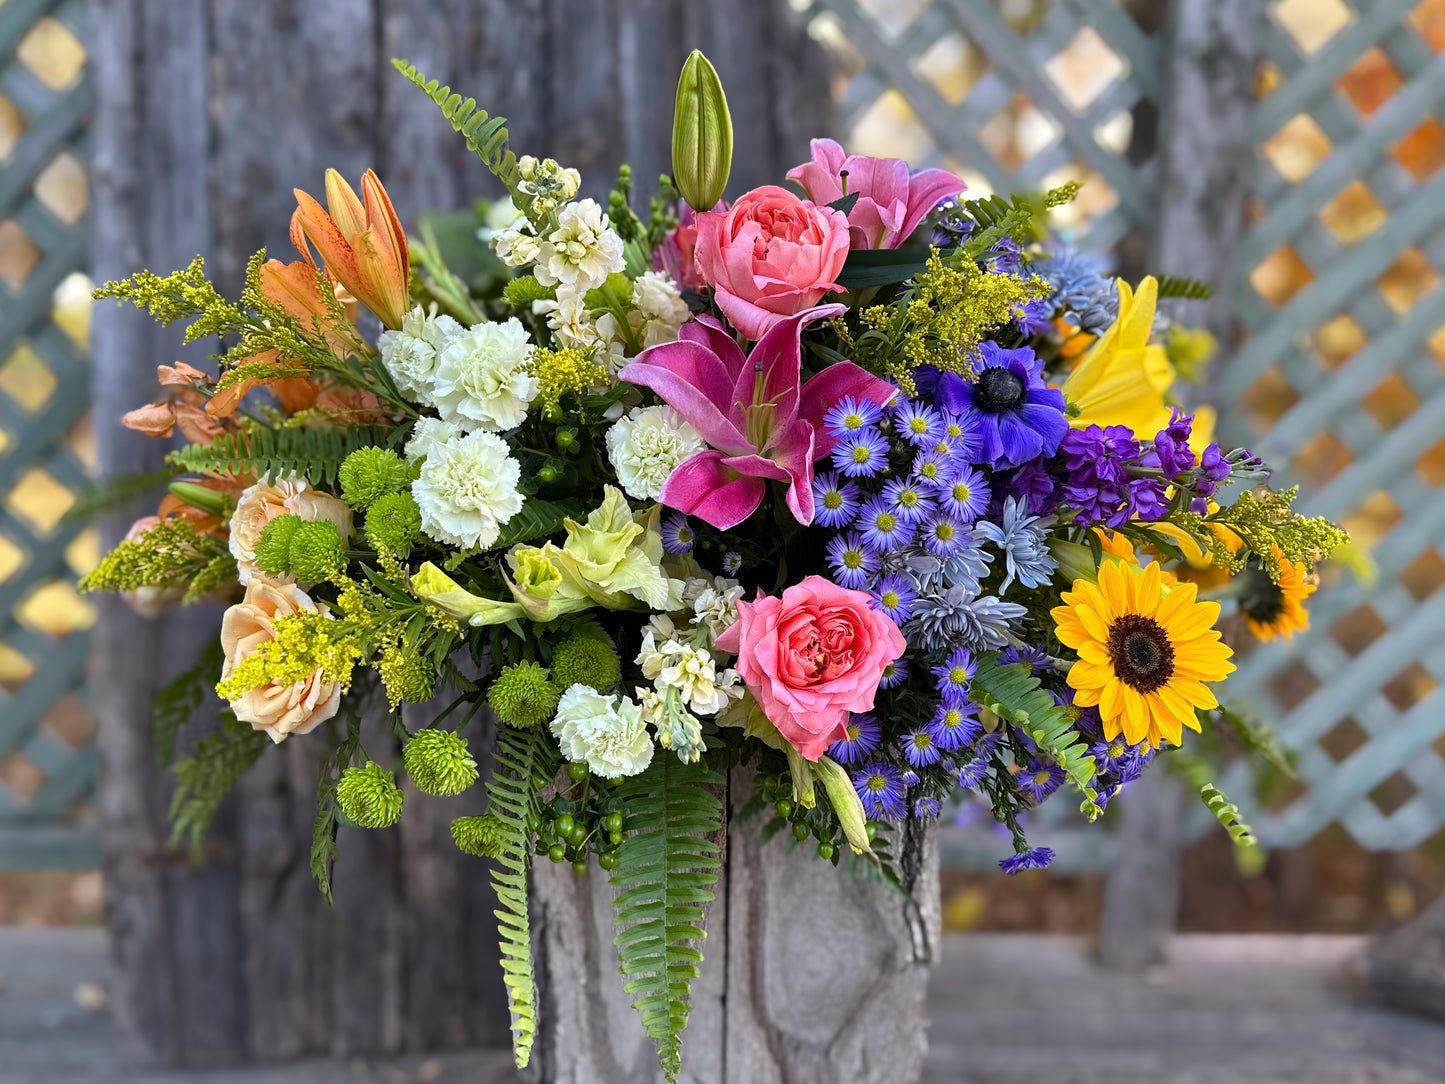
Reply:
x=702, y=134
x=1076, y=561
x=199, y=497
x=846, y=803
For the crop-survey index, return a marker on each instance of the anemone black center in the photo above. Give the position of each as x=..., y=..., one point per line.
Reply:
x=1260, y=598
x=1141, y=652
x=999, y=390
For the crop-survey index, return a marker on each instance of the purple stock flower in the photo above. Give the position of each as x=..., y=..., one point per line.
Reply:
x=1171, y=453
x=1031, y=483
x=1103, y=451
x=1149, y=498
x=1015, y=413
x=1214, y=470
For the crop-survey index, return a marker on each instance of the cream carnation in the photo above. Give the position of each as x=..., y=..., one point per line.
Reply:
x=647, y=445
x=467, y=490
x=261, y=503
x=604, y=732
x=484, y=377
x=582, y=251
x=410, y=353
x=427, y=434
x=277, y=709
x=660, y=302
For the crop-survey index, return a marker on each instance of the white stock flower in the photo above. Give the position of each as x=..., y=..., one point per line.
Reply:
x=582, y=251
x=427, y=434
x=516, y=246
x=501, y=215
x=468, y=490
x=484, y=377
x=604, y=732
x=660, y=303
x=691, y=671
x=646, y=445
x=568, y=319
x=714, y=601
x=410, y=353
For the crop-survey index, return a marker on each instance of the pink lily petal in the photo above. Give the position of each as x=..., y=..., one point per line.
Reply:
x=779, y=356
x=692, y=380
x=704, y=487
x=707, y=332
x=925, y=189
x=819, y=178
x=882, y=180
x=832, y=386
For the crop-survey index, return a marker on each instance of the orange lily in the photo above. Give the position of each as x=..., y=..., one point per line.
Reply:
x=361, y=243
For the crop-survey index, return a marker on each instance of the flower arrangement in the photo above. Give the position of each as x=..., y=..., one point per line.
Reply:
x=863, y=484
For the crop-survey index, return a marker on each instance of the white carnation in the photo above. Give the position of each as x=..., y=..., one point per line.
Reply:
x=647, y=445
x=582, y=251
x=484, y=377
x=427, y=434
x=604, y=732
x=714, y=602
x=468, y=490
x=410, y=353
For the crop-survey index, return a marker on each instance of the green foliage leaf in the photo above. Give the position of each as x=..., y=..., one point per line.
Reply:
x=323, y=832
x=1013, y=693
x=315, y=454
x=486, y=136
x=880, y=266
x=207, y=774
x=538, y=519
x=179, y=698
x=1227, y=813
x=521, y=756
x=667, y=868
x=1191, y=289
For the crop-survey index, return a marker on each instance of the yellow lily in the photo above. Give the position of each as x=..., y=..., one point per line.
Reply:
x=361, y=243
x=1123, y=377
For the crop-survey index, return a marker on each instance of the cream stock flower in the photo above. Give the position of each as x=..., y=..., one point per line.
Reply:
x=259, y=504
x=279, y=710
x=582, y=251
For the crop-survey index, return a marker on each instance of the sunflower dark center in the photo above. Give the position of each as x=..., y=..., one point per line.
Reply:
x=1260, y=598
x=999, y=390
x=1141, y=652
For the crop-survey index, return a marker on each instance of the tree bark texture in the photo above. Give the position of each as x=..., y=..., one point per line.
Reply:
x=1205, y=153
x=1405, y=968
x=208, y=112
x=809, y=977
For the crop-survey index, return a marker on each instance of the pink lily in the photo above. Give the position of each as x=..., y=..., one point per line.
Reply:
x=891, y=201
x=759, y=419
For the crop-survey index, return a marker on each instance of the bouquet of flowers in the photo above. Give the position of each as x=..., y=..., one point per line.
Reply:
x=861, y=483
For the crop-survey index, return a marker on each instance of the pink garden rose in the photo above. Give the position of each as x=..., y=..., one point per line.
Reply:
x=769, y=256
x=891, y=200
x=812, y=657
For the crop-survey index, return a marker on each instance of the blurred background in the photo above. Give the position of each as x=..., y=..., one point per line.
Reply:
x=1329, y=313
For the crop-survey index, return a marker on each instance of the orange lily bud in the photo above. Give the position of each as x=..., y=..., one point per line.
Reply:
x=361, y=242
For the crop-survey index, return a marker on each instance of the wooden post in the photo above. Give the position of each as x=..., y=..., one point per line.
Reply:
x=207, y=114
x=1204, y=157
x=809, y=976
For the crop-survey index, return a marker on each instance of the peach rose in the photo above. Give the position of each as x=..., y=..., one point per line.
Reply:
x=264, y=501
x=279, y=710
x=812, y=657
x=769, y=256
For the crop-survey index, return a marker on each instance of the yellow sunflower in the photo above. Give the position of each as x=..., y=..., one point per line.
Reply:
x=1271, y=610
x=1144, y=653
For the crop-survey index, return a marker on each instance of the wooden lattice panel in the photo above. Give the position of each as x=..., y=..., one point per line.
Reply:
x=46, y=730
x=1012, y=97
x=1341, y=384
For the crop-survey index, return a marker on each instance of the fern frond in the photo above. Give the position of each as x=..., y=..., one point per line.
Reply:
x=176, y=700
x=522, y=756
x=207, y=774
x=1190, y=289
x=537, y=519
x=1013, y=693
x=323, y=831
x=486, y=136
x=1227, y=813
x=667, y=868
x=315, y=454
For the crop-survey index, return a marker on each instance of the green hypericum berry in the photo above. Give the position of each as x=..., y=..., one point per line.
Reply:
x=438, y=762
x=557, y=852
x=316, y=551
x=369, y=796
x=369, y=473
x=585, y=660
x=826, y=851
x=564, y=825
x=273, y=547
x=394, y=521
x=800, y=831
x=522, y=696
x=481, y=836
x=577, y=771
